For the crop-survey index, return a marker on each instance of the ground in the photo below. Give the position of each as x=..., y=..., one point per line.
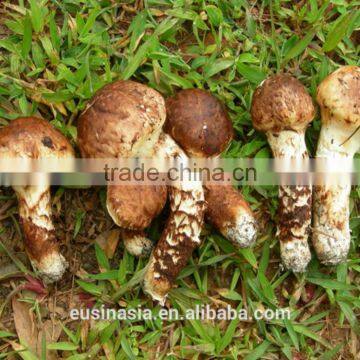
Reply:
x=53, y=56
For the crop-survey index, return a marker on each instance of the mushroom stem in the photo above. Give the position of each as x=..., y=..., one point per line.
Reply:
x=294, y=210
x=331, y=234
x=288, y=144
x=182, y=233
x=39, y=232
x=335, y=141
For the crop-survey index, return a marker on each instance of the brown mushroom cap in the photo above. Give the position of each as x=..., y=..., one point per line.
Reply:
x=281, y=103
x=119, y=119
x=198, y=122
x=339, y=97
x=134, y=207
x=34, y=138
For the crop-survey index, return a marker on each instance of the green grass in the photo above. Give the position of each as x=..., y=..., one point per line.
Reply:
x=55, y=54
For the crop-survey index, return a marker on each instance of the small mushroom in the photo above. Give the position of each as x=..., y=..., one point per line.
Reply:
x=125, y=119
x=199, y=123
x=339, y=99
x=35, y=138
x=282, y=108
x=133, y=208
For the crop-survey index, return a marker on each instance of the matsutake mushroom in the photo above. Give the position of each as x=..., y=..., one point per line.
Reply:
x=339, y=99
x=35, y=138
x=282, y=108
x=199, y=123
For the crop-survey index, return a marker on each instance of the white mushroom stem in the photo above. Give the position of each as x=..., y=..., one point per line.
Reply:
x=39, y=232
x=182, y=233
x=331, y=232
x=294, y=204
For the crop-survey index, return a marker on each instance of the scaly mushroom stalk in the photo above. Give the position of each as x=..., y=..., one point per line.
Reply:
x=125, y=119
x=39, y=233
x=182, y=232
x=339, y=99
x=282, y=108
x=35, y=138
x=199, y=123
